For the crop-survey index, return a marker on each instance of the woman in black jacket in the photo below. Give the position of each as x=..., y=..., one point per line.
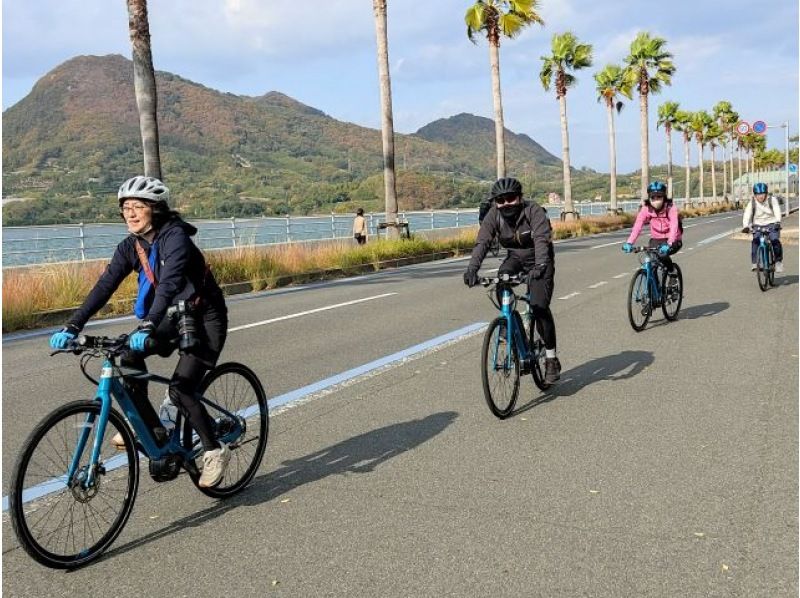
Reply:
x=170, y=269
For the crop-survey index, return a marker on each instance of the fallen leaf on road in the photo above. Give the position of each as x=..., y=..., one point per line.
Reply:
x=699, y=534
x=724, y=567
x=594, y=492
x=275, y=582
x=285, y=500
x=154, y=516
x=524, y=419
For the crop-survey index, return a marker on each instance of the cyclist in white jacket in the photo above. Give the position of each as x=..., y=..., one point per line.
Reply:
x=764, y=212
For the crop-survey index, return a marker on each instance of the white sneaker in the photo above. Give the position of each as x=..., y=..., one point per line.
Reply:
x=753, y=268
x=214, y=464
x=778, y=267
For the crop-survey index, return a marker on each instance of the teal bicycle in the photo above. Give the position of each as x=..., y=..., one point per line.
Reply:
x=511, y=347
x=765, y=257
x=72, y=493
x=652, y=287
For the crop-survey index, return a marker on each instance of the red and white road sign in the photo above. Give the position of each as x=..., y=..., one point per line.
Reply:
x=743, y=127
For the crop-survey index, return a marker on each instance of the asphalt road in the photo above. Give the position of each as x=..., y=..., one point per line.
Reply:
x=665, y=463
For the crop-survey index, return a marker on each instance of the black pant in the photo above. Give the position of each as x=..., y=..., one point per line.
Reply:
x=540, y=291
x=360, y=239
x=665, y=259
x=212, y=330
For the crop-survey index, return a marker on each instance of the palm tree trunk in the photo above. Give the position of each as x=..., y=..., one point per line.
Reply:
x=387, y=123
x=562, y=105
x=724, y=171
x=713, y=173
x=688, y=168
x=612, y=152
x=731, y=169
x=645, y=146
x=668, y=129
x=700, y=163
x=494, y=59
x=144, y=85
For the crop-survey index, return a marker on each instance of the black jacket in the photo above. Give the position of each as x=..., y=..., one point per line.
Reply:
x=530, y=238
x=180, y=273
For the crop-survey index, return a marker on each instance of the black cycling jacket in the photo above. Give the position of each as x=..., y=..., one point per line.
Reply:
x=180, y=272
x=530, y=238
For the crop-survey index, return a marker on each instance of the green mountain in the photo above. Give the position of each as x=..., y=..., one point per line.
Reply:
x=75, y=137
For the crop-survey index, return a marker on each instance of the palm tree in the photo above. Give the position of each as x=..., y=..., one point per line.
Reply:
x=387, y=123
x=683, y=120
x=613, y=82
x=699, y=124
x=567, y=55
x=653, y=67
x=727, y=119
x=668, y=116
x=496, y=18
x=713, y=134
x=144, y=85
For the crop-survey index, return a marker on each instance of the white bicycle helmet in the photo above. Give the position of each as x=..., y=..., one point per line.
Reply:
x=146, y=188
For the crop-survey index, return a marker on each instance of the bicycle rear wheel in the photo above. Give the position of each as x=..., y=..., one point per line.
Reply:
x=499, y=369
x=237, y=389
x=762, y=271
x=64, y=523
x=673, y=295
x=537, y=356
x=639, y=306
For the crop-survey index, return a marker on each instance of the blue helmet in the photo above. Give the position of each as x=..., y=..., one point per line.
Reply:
x=656, y=187
x=759, y=188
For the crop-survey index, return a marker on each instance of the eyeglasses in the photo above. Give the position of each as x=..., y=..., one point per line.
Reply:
x=504, y=199
x=136, y=207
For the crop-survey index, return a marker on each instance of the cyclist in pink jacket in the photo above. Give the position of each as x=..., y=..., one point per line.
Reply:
x=666, y=231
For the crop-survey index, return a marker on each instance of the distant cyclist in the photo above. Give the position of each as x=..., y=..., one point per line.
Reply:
x=665, y=228
x=524, y=229
x=765, y=214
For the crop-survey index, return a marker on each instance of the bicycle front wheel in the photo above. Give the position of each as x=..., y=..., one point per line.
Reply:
x=673, y=294
x=639, y=306
x=236, y=389
x=500, y=369
x=762, y=271
x=771, y=260
x=66, y=523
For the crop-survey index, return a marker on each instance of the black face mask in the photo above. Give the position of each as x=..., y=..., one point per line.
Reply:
x=511, y=212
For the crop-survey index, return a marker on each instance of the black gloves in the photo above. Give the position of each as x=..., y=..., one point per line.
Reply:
x=539, y=270
x=471, y=277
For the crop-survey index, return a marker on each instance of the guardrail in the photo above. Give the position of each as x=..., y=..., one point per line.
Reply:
x=80, y=242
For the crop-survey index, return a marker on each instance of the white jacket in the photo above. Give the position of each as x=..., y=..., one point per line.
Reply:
x=766, y=213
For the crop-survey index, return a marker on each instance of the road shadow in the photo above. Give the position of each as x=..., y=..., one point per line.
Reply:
x=785, y=280
x=358, y=455
x=611, y=367
x=694, y=312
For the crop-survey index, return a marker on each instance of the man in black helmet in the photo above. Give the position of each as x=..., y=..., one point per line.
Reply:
x=524, y=229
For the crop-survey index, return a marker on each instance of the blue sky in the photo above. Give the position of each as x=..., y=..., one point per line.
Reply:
x=323, y=54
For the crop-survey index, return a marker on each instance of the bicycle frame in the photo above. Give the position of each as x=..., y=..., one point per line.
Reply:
x=513, y=332
x=110, y=385
x=652, y=280
x=763, y=240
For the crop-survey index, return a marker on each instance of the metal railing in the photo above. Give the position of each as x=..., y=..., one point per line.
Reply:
x=80, y=242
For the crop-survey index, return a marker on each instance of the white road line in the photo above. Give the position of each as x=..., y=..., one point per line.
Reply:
x=623, y=275
x=570, y=296
x=310, y=311
x=715, y=238
x=690, y=249
x=689, y=225
x=598, y=284
x=606, y=245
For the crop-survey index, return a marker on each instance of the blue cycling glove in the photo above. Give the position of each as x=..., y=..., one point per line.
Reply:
x=61, y=339
x=663, y=249
x=136, y=341
x=627, y=247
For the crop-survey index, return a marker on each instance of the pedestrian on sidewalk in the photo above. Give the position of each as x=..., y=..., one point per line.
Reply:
x=360, y=227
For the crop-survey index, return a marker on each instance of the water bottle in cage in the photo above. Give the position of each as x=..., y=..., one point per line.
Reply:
x=168, y=413
x=527, y=317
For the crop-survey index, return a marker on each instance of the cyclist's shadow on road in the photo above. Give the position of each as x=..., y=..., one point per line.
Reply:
x=357, y=455
x=611, y=367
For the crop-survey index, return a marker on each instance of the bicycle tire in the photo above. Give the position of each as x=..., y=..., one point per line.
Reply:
x=500, y=409
x=668, y=301
x=538, y=356
x=762, y=269
x=639, y=301
x=245, y=459
x=24, y=522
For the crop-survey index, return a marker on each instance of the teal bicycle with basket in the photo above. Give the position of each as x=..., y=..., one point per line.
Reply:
x=72, y=491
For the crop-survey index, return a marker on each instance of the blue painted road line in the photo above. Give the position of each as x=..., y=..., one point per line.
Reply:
x=57, y=484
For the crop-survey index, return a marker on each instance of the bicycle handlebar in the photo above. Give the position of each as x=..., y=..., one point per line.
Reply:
x=507, y=279
x=111, y=345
